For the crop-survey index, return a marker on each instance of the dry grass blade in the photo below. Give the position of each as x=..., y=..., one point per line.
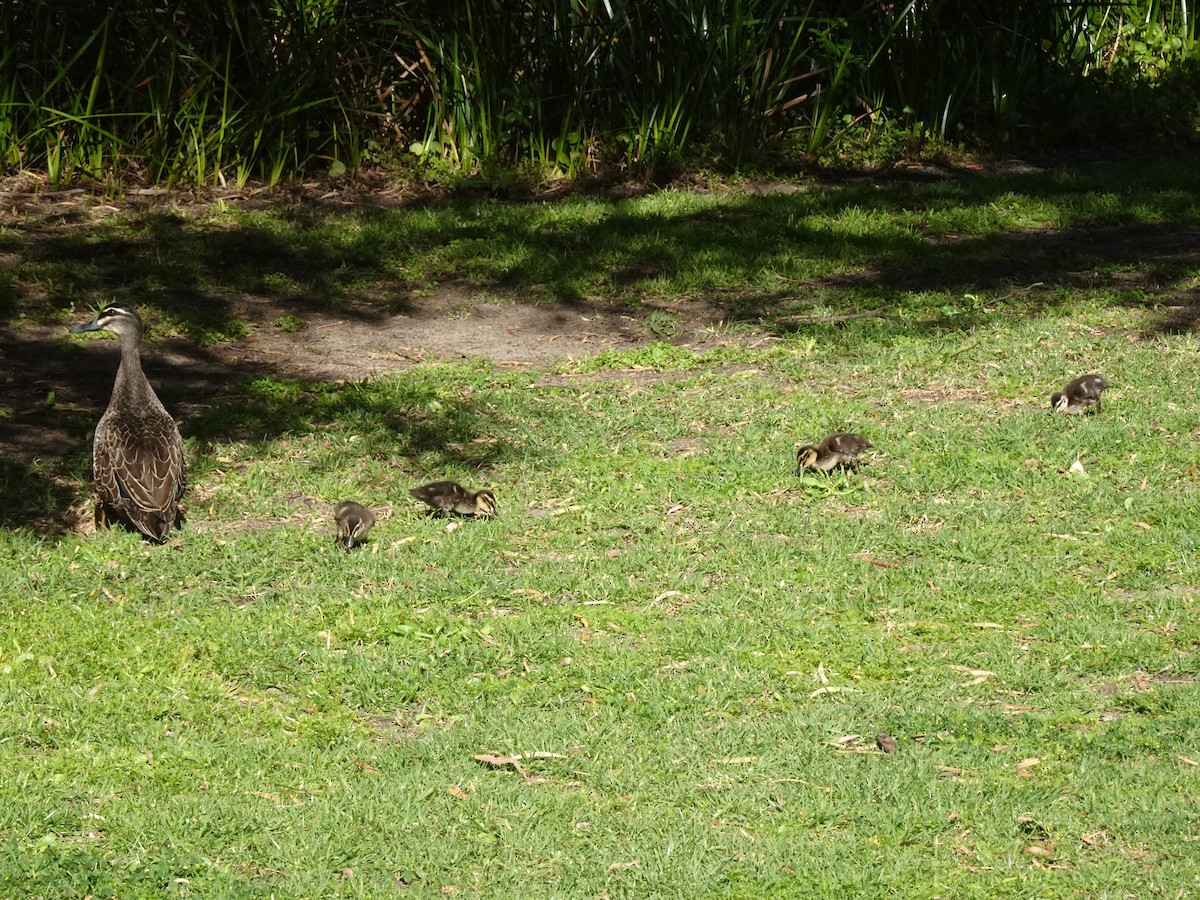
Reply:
x=632, y=864
x=513, y=761
x=980, y=675
x=851, y=743
x=829, y=689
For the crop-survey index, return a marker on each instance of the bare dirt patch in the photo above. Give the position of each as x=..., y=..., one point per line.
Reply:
x=449, y=325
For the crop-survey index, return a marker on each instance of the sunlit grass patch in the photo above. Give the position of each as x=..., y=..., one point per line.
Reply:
x=680, y=652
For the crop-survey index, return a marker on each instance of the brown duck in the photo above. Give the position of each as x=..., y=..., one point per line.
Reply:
x=137, y=454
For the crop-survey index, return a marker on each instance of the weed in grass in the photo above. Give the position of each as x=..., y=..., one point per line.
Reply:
x=290, y=324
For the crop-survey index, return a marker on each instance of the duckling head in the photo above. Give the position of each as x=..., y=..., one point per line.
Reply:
x=1059, y=401
x=806, y=458
x=353, y=522
x=485, y=503
x=348, y=533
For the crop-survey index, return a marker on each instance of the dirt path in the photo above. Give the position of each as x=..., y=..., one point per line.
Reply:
x=447, y=326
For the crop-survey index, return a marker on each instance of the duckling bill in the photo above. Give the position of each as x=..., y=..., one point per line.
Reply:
x=1079, y=395
x=837, y=450
x=353, y=522
x=137, y=452
x=451, y=498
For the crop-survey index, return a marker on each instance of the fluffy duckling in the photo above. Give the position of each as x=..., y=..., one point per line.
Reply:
x=1079, y=395
x=353, y=522
x=450, y=497
x=841, y=449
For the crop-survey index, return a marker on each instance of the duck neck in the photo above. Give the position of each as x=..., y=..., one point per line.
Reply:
x=131, y=380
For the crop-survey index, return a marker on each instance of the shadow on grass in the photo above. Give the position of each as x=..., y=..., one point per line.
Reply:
x=34, y=496
x=396, y=418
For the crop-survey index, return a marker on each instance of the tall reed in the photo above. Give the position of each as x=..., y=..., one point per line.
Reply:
x=212, y=91
x=194, y=91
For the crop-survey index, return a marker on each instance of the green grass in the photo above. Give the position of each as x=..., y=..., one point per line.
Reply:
x=249, y=712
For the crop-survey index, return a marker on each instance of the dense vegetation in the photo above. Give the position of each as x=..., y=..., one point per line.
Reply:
x=213, y=92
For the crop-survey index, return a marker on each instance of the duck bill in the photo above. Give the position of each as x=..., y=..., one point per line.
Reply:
x=93, y=325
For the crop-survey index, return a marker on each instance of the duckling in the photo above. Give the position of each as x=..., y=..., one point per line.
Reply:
x=1079, y=395
x=353, y=522
x=839, y=449
x=448, y=497
x=137, y=453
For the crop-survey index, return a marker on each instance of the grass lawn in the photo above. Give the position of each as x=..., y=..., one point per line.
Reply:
x=690, y=648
